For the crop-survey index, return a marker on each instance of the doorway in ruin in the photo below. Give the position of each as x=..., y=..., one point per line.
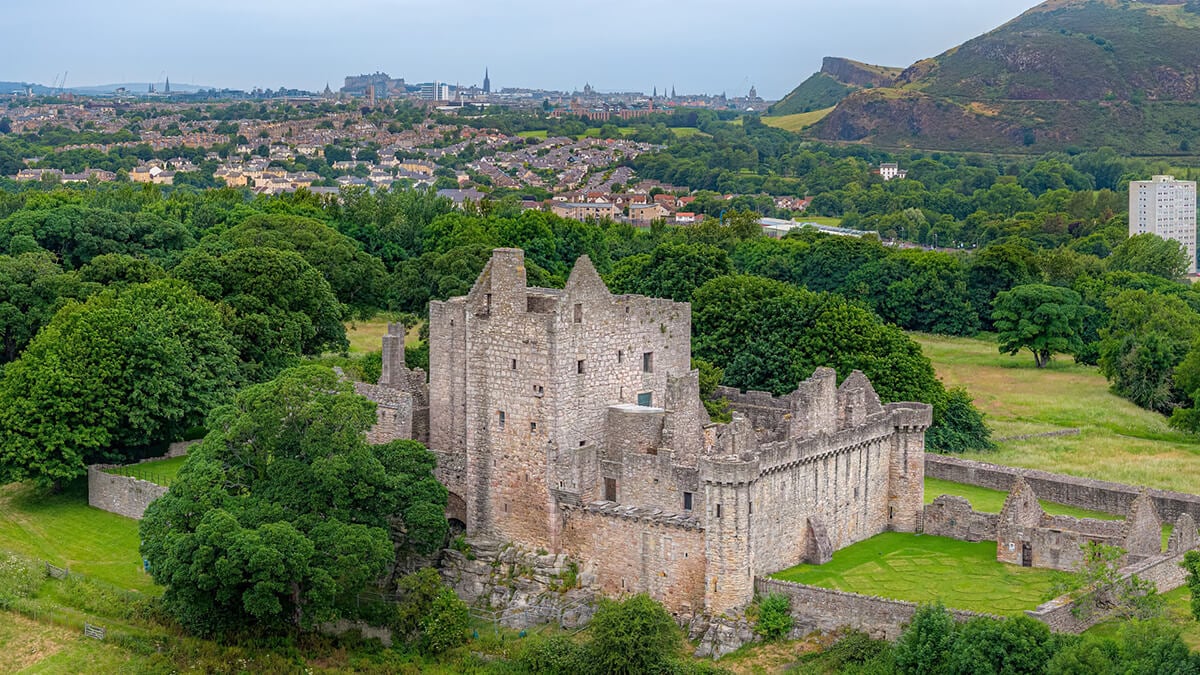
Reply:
x=1026, y=554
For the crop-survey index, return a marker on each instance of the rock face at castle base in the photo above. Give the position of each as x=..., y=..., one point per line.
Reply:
x=570, y=420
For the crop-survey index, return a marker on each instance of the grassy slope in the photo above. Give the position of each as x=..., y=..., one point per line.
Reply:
x=817, y=92
x=367, y=336
x=797, y=121
x=1119, y=441
x=63, y=530
x=926, y=569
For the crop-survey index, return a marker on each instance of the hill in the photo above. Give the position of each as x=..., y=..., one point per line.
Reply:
x=1082, y=73
x=837, y=79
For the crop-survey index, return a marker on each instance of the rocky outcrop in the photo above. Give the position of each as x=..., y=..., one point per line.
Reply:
x=518, y=587
x=858, y=74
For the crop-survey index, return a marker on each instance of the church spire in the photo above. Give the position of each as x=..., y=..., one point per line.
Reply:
x=487, y=81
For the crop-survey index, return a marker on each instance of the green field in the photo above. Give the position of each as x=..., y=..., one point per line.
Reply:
x=63, y=530
x=820, y=220
x=1118, y=441
x=540, y=133
x=985, y=500
x=685, y=132
x=594, y=132
x=797, y=122
x=162, y=471
x=367, y=336
x=1178, y=611
x=919, y=568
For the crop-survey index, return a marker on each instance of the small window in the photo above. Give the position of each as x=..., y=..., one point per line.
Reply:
x=514, y=364
x=620, y=356
x=500, y=417
x=648, y=362
x=533, y=427
x=646, y=399
x=578, y=312
x=579, y=366
x=582, y=443
x=751, y=504
x=610, y=489
x=687, y=501
x=718, y=510
x=539, y=390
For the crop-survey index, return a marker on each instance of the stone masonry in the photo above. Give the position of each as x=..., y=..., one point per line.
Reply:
x=570, y=420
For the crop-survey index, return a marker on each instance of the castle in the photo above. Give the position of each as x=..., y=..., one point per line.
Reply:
x=570, y=420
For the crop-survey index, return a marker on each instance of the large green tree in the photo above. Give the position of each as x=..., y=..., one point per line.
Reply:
x=1043, y=319
x=108, y=379
x=284, y=513
x=671, y=271
x=279, y=307
x=1148, y=335
x=32, y=287
x=358, y=279
x=1150, y=254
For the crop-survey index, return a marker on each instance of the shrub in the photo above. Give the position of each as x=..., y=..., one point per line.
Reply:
x=636, y=635
x=444, y=626
x=773, y=618
x=925, y=645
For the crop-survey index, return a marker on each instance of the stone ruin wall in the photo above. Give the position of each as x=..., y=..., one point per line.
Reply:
x=827, y=610
x=1084, y=493
x=634, y=550
x=122, y=495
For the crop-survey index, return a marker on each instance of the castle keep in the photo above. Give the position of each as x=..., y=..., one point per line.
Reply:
x=571, y=420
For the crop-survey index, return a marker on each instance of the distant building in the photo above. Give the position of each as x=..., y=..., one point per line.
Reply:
x=585, y=211
x=487, y=82
x=890, y=171
x=435, y=91
x=1165, y=207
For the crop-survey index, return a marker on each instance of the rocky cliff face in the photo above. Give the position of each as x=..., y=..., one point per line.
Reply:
x=858, y=74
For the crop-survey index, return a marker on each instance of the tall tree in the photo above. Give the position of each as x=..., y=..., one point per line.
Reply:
x=1150, y=254
x=284, y=513
x=1043, y=319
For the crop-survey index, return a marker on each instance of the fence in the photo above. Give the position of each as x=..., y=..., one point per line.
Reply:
x=143, y=473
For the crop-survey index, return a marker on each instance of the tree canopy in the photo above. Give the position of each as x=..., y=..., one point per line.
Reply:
x=284, y=513
x=110, y=378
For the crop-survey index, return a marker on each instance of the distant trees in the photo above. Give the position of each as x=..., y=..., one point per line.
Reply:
x=1191, y=562
x=1147, y=336
x=285, y=513
x=1150, y=254
x=110, y=378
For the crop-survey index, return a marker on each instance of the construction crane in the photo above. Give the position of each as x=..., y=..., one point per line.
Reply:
x=63, y=85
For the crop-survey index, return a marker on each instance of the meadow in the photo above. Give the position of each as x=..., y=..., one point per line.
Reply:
x=367, y=336
x=1118, y=441
x=798, y=121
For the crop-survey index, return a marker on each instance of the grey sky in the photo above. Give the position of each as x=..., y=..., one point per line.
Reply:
x=696, y=45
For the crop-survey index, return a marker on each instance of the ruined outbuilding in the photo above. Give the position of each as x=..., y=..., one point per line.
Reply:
x=570, y=420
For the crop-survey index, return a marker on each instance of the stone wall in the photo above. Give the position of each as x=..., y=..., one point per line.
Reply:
x=635, y=550
x=123, y=495
x=824, y=609
x=953, y=517
x=1085, y=493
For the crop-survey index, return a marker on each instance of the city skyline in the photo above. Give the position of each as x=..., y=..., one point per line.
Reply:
x=620, y=46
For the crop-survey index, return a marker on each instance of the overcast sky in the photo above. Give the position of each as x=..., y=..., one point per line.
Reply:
x=699, y=46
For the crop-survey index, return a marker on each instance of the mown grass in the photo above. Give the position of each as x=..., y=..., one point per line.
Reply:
x=798, y=121
x=685, y=132
x=920, y=568
x=1118, y=441
x=538, y=133
x=985, y=500
x=28, y=646
x=160, y=472
x=64, y=531
x=367, y=336
x=820, y=220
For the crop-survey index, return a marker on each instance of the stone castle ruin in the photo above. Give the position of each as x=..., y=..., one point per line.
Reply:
x=570, y=420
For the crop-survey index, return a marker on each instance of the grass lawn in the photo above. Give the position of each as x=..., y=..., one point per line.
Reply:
x=540, y=133
x=161, y=472
x=798, y=121
x=367, y=336
x=685, y=132
x=985, y=500
x=28, y=646
x=1118, y=441
x=820, y=220
x=63, y=530
x=918, y=568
